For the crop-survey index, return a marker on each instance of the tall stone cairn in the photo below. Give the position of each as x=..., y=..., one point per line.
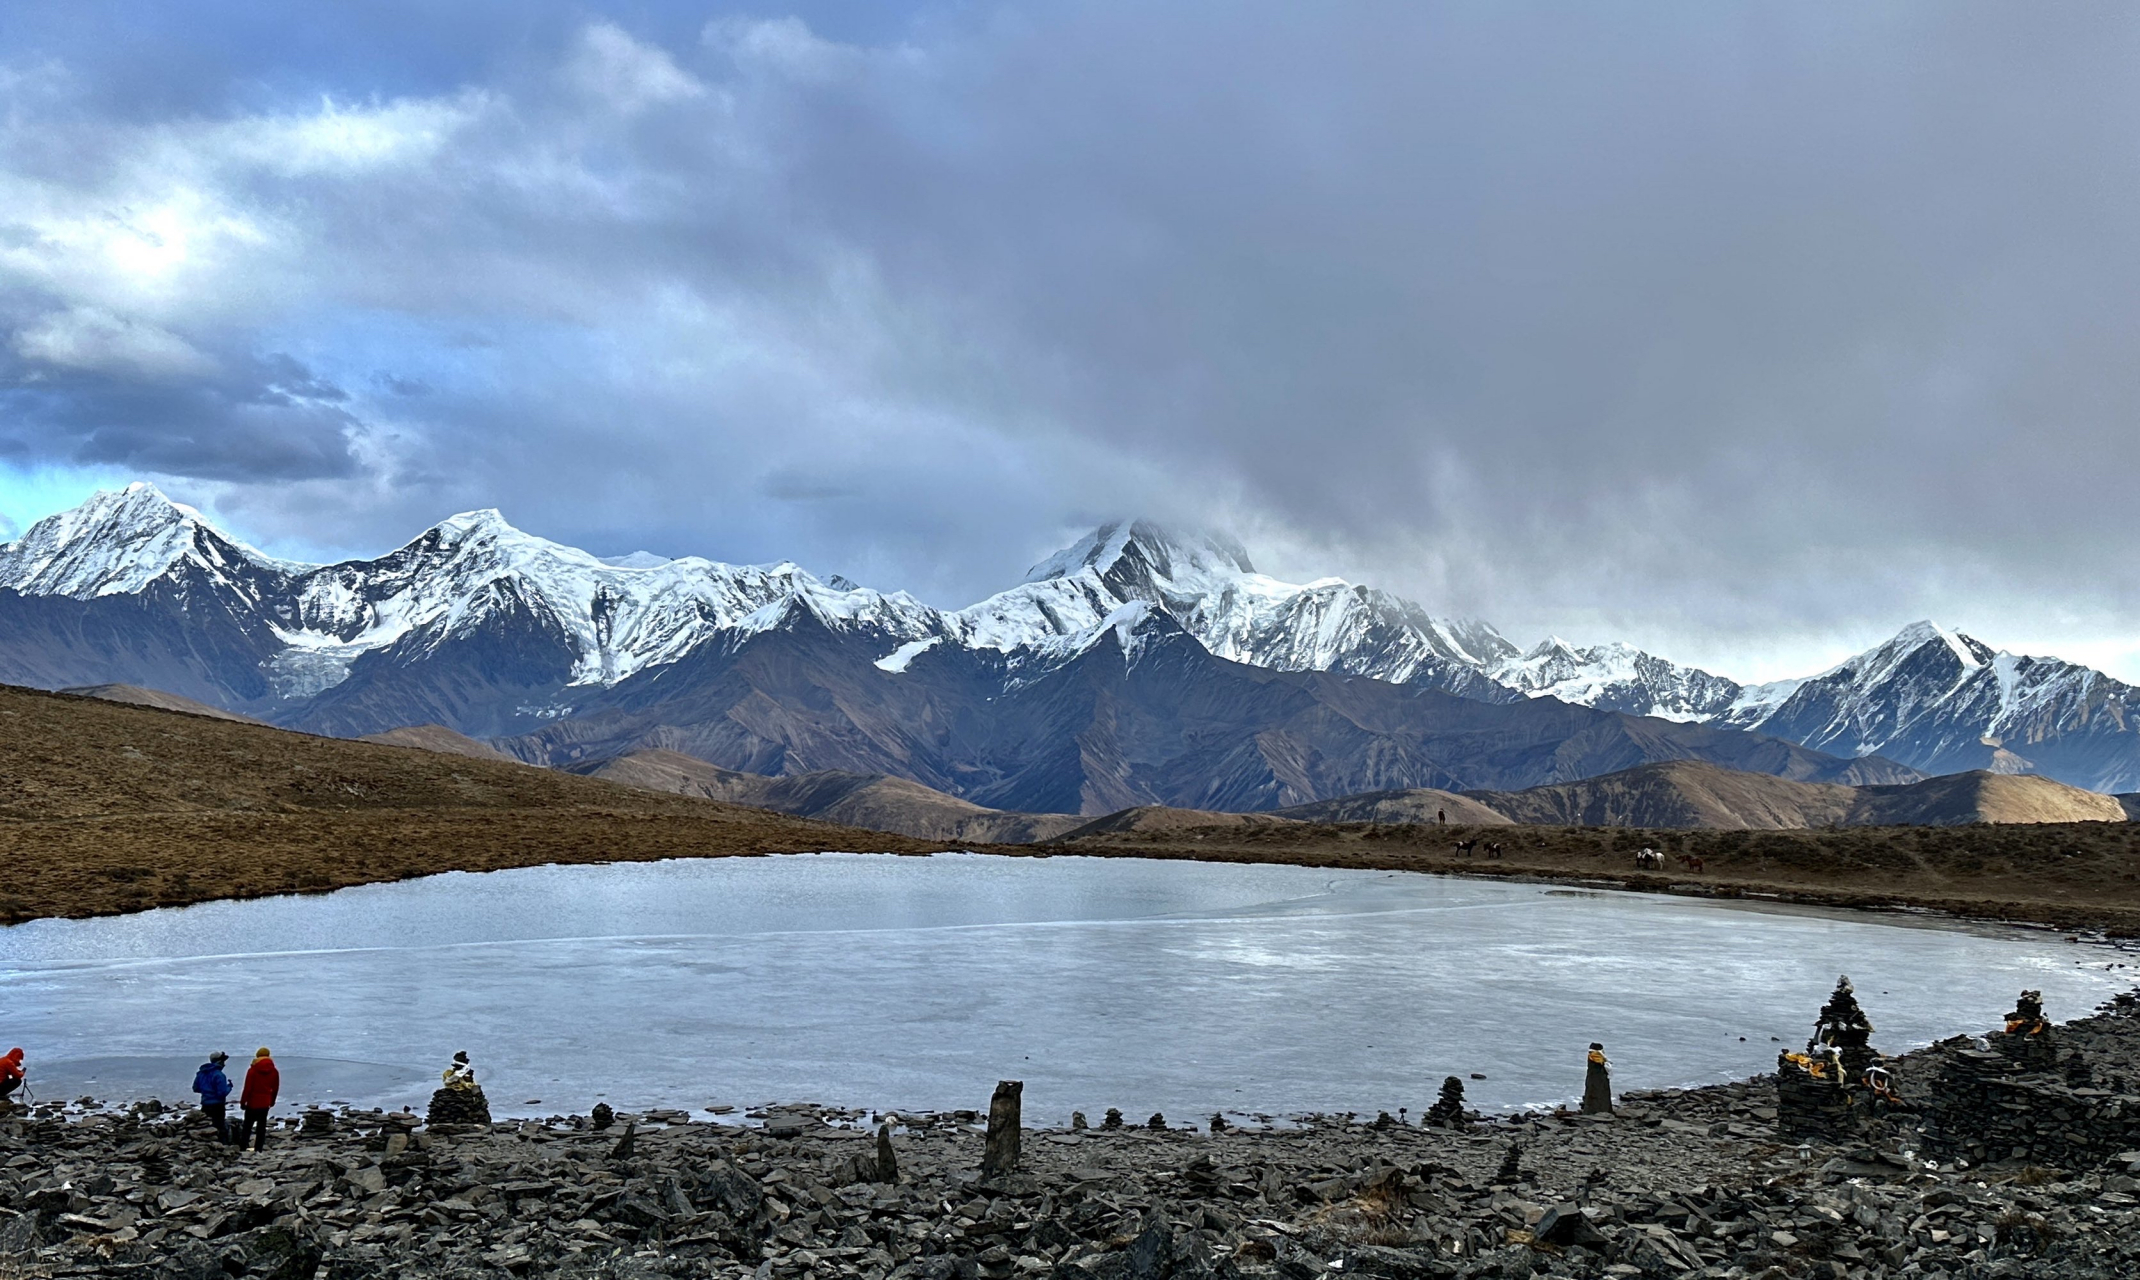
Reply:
x=999, y=1152
x=1843, y=1026
x=1448, y=1109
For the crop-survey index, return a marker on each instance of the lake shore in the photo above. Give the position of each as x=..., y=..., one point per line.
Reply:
x=2079, y=878
x=1703, y=1182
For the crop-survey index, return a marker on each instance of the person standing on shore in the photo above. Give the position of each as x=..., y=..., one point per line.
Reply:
x=262, y=1083
x=11, y=1079
x=214, y=1088
x=1597, y=1083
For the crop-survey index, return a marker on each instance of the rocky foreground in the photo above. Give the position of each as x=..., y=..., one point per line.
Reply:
x=1990, y=1167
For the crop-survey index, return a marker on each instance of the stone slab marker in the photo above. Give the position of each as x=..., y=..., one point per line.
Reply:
x=887, y=1161
x=999, y=1157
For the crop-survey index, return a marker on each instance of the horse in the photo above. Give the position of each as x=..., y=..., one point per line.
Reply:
x=1494, y=850
x=1648, y=860
x=1464, y=847
x=1690, y=861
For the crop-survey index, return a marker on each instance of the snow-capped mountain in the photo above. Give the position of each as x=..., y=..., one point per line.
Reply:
x=1207, y=585
x=495, y=632
x=1944, y=702
x=1930, y=698
x=119, y=542
x=1616, y=677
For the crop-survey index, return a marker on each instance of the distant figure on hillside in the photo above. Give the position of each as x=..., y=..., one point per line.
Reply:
x=263, y=1084
x=11, y=1079
x=1441, y=817
x=1597, y=1083
x=214, y=1088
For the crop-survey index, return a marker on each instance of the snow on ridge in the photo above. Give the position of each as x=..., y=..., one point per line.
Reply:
x=118, y=542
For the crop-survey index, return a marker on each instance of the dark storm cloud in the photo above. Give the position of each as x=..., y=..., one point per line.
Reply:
x=272, y=421
x=1740, y=331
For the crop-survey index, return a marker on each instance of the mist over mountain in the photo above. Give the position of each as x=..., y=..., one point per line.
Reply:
x=1141, y=665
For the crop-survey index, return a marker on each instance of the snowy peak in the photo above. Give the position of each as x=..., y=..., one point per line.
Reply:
x=1616, y=677
x=1207, y=585
x=1918, y=636
x=120, y=541
x=1144, y=549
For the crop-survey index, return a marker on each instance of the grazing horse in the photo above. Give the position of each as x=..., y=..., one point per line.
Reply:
x=1494, y=850
x=1464, y=847
x=1648, y=860
x=1690, y=861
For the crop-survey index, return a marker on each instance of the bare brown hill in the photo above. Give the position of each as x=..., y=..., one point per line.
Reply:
x=136, y=695
x=437, y=737
x=1679, y=793
x=872, y=800
x=1688, y=793
x=1419, y=804
x=1956, y=799
x=116, y=807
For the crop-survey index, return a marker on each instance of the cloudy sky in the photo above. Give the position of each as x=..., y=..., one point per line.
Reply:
x=1745, y=333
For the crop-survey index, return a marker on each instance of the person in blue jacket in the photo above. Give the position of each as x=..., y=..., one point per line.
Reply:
x=214, y=1088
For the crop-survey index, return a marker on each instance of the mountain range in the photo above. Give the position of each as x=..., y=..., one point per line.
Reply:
x=1139, y=666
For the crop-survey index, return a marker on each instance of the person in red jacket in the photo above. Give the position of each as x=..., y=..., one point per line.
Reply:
x=11, y=1078
x=262, y=1083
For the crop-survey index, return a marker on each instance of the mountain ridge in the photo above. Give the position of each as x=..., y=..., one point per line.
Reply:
x=494, y=633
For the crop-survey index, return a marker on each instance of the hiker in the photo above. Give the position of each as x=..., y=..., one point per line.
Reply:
x=1597, y=1083
x=11, y=1079
x=460, y=1075
x=214, y=1088
x=262, y=1083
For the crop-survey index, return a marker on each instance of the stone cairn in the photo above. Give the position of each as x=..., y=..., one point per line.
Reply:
x=1597, y=1082
x=458, y=1107
x=999, y=1151
x=2028, y=1039
x=1815, y=1090
x=1448, y=1109
x=2018, y=1102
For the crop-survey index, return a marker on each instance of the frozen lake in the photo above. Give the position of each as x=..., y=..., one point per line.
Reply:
x=892, y=982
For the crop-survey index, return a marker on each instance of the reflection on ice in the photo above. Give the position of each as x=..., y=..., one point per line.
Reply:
x=918, y=982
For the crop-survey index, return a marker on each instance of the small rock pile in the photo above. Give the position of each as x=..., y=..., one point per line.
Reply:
x=1448, y=1109
x=452, y=1105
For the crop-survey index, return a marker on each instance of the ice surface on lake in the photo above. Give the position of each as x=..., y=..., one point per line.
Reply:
x=1181, y=987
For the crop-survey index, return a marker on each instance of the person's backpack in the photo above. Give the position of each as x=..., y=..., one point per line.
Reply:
x=204, y=1083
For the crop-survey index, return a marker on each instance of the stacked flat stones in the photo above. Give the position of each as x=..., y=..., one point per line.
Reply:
x=2018, y=1100
x=1813, y=1098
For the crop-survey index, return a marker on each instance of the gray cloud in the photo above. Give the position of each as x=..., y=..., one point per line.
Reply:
x=1741, y=332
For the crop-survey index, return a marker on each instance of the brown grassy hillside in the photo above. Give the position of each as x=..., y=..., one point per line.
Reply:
x=114, y=807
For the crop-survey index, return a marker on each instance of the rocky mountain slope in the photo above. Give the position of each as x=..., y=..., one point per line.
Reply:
x=874, y=800
x=492, y=633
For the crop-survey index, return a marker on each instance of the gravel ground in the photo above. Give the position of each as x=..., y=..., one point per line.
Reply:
x=1696, y=1182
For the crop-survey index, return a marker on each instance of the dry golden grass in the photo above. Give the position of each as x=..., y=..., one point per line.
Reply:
x=108, y=807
